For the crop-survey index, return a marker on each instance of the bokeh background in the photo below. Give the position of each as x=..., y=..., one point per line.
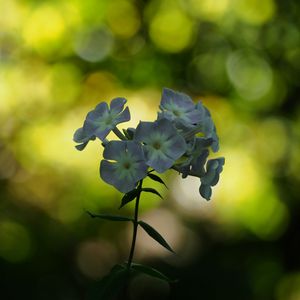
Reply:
x=58, y=59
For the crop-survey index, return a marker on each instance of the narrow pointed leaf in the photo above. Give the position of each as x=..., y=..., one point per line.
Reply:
x=153, y=191
x=150, y=271
x=157, y=178
x=110, y=217
x=128, y=197
x=155, y=235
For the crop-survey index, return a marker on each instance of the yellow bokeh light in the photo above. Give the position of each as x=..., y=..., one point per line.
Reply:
x=271, y=141
x=64, y=84
x=207, y=9
x=255, y=12
x=44, y=28
x=171, y=30
x=99, y=86
x=247, y=196
x=234, y=188
x=51, y=143
x=12, y=14
x=294, y=163
x=123, y=18
x=19, y=85
x=48, y=87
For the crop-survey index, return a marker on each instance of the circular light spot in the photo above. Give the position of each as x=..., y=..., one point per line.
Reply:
x=207, y=9
x=123, y=18
x=171, y=30
x=44, y=29
x=250, y=74
x=94, y=45
x=95, y=258
x=168, y=226
x=254, y=11
x=208, y=71
x=188, y=201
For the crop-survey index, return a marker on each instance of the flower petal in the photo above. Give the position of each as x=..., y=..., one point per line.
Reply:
x=107, y=172
x=110, y=174
x=216, y=164
x=165, y=128
x=117, y=105
x=202, y=143
x=158, y=160
x=174, y=99
x=213, y=169
x=140, y=171
x=176, y=147
x=79, y=136
x=205, y=191
x=129, y=166
x=114, y=150
x=95, y=121
x=192, y=117
x=102, y=133
x=122, y=117
x=143, y=130
x=99, y=110
x=198, y=163
x=163, y=134
x=135, y=150
x=80, y=147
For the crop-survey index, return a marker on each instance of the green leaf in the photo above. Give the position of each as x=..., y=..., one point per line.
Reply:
x=150, y=271
x=110, y=286
x=153, y=191
x=155, y=235
x=156, y=178
x=128, y=197
x=110, y=217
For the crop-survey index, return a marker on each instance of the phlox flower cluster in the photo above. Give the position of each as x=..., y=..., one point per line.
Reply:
x=181, y=138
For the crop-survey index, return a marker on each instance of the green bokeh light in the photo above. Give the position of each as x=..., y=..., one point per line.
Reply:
x=15, y=241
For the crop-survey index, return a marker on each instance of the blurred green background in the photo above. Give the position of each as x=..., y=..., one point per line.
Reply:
x=58, y=59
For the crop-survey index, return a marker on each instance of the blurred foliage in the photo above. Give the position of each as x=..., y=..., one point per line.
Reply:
x=58, y=59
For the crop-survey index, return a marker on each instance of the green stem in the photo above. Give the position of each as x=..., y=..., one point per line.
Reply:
x=135, y=224
x=119, y=134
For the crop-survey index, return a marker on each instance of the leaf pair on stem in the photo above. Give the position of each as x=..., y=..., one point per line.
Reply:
x=130, y=196
x=116, y=281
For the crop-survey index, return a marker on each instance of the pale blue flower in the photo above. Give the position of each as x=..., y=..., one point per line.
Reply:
x=195, y=157
x=127, y=165
x=188, y=118
x=177, y=106
x=81, y=137
x=162, y=144
x=207, y=126
x=101, y=120
x=211, y=177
